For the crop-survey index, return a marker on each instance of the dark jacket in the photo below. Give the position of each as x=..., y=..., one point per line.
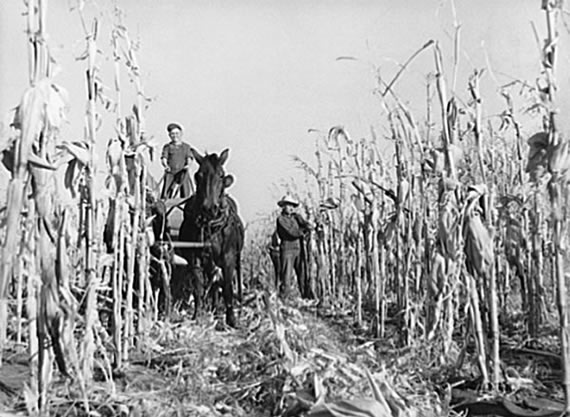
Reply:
x=291, y=228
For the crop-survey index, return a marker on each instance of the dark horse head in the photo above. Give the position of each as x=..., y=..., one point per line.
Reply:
x=211, y=182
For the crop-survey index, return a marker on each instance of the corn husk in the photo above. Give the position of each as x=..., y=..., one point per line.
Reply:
x=479, y=252
x=43, y=107
x=449, y=219
x=435, y=161
x=478, y=245
x=116, y=164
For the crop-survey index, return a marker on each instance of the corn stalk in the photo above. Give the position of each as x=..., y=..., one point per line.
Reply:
x=559, y=165
x=91, y=243
x=489, y=271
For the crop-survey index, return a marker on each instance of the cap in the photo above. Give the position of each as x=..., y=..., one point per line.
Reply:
x=172, y=126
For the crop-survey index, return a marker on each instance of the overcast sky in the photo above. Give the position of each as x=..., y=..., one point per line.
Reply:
x=254, y=76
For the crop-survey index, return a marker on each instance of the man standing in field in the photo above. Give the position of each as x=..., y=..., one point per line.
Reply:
x=176, y=158
x=291, y=229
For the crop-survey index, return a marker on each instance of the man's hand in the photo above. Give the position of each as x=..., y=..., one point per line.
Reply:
x=164, y=163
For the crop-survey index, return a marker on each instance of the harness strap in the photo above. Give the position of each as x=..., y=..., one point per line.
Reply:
x=219, y=221
x=216, y=225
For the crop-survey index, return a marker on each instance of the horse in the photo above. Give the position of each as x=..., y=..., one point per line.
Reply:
x=211, y=217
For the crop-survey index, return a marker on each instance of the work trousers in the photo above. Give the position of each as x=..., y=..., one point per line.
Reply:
x=292, y=263
x=177, y=184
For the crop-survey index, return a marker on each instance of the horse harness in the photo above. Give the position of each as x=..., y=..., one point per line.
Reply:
x=210, y=228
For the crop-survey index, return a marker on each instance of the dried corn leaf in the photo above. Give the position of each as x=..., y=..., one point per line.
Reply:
x=79, y=150
x=115, y=154
x=71, y=178
x=6, y=136
x=31, y=400
x=335, y=135
x=55, y=105
x=350, y=408
x=375, y=389
x=436, y=161
x=476, y=191
x=446, y=186
x=403, y=191
x=394, y=400
x=38, y=162
x=8, y=158
x=29, y=119
x=49, y=320
x=558, y=198
x=280, y=333
x=34, y=160
x=43, y=187
x=358, y=203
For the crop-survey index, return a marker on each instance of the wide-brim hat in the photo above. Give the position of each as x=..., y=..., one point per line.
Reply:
x=172, y=126
x=288, y=199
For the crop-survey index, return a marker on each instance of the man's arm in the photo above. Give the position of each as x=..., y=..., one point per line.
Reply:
x=164, y=157
x=288, y=228
x=274, y=243
x=303, y=224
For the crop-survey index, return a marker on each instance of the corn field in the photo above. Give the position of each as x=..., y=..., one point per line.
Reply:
x=442, y=245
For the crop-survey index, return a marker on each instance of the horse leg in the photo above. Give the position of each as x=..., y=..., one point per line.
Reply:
x=239, y=281
x=197, y=277
x=228, y=290
x=217, y=283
